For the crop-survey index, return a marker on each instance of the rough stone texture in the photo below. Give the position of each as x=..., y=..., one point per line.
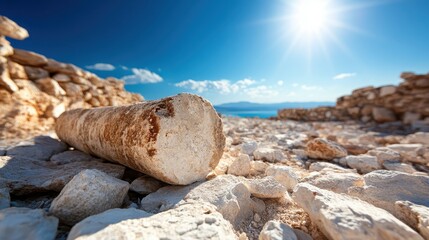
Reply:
x=38, y=148
x=189, y=221
x=26, y=223
x=383, y=188
x=267, y=187
x=71, y=157
x=240, y=166
x=418, y=137
x=160, y=138
x=329, y=167
x=28, y=176
x=50, y=86
x=414, y=215
x=409, y=152
x=28, y=58
x=5, y=47
x=89, y=192
x=287, y=176
x=230, y=196
x=382, y=115
x=324, y=149
x=363, y=163
x=10, y=29
x=269, y=154
x=257, y=167
x=275, y=230
x=145, y=185
x=384, y=154
x=35, y=73
x=249, y=147
x=338, y=182
x=5, y=80
x=342, y=217
x=400, y=167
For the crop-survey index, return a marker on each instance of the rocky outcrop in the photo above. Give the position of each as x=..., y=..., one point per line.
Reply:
x=408, y=102
x=160, y=138
x=35, y=90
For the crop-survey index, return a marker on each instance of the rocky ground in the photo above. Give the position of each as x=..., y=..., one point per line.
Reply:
x=276, y=180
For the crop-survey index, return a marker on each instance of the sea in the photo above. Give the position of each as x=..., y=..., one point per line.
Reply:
x=248, y=114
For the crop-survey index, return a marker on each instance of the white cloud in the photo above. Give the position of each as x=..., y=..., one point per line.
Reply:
x=343, y=76
x=280, y=83
x=222, y=86
x=310, y=87
x=142, y=76
x=101, y=67
x=262, y=91
x=295, y=85
x=124, y=67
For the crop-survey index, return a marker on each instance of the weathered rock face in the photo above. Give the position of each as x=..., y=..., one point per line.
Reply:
x=274, y=230
x=26, y=223
x=342, y=217
x=30, y=109
x=416, y=216
x=407, y=102
x=230, y=196
x=324, y=149
x=10, y=29
x=90, y=192
x=160, y=138
x=383, y=188
x=189, y=221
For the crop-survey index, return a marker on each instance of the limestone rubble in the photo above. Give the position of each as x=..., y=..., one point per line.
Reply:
x=275, y=179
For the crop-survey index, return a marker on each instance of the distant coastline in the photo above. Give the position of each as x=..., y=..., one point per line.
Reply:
x=263, y=110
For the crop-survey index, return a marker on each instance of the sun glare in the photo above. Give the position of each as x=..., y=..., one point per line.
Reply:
x=310, y=17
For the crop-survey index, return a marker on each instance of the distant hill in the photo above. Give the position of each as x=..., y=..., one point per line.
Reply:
x=250, y=106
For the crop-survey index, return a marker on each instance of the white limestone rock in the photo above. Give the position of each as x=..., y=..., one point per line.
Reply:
x=258, y=167
x=26, y=223
x=269, y=154
x=363, y=163
x=400, y=167
x=89, y=192
x=275, y=230
x=339, y=216
x=145, y=185
x=410, y=152
x=329, y=167
x=267, y=187
x=10, y=29
x=383, y=188
x=287, y=176
x=338, y=182
x=240, y=166
x=249, y=147
x=188, y=221
x=414, y=215
x=385, y=154
x=227, y=193
x=38, y=148
x=418, y=137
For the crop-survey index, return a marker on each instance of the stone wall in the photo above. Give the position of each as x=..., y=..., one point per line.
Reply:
x=35, y=90
x=408, y=102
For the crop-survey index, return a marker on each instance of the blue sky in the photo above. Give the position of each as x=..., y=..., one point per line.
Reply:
x=232, y=50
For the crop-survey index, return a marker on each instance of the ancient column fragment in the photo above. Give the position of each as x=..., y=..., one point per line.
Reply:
x=178, y=140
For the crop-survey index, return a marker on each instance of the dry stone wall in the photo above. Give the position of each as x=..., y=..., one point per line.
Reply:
x=35, y=90
x=408, y=102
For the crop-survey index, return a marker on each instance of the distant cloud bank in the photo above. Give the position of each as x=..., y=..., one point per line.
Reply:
x=225, y=86
x=101, y=67
x=344, y=76
x=141, y=76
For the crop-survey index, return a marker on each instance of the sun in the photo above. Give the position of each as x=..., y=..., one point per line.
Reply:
x=310, y=17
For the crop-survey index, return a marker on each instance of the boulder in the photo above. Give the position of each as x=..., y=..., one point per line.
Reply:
x=384, y=154
x=418, y=137
x=227, y=193
x=329, y=167
x=5, y=47
x=269, y=154
x=383, y=188
x=72, y=156
x=50, y=86
x=400, y=167
x=16, y=71
x=249, y=147
x=287, y=176
x=324, y=149
x=5, y=80
x=145, y=185
x=28, y=58
x=414, y=215
x=382, y=115
x=26, y=223
x=338, y=182
x=387, y=90
x=10, y=29
x=189, y=221
x=240, y=166
x=267, y=187
x=88, y=193
x=339, y=216
x=363, y=163
x=275, y=230
x=257, y=167
x=409, y=152
x=160, y=138
x=35, y=73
